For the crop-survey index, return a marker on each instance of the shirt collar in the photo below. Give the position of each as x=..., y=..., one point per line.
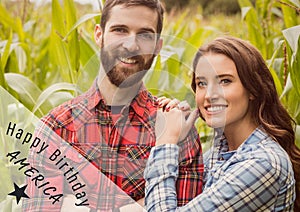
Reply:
x=143, y=104
x=256, y=136
x=93, y=96
x=221, y=145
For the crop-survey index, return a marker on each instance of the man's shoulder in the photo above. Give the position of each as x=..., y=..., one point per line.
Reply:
x=145, y=105
x=151, y=102
x=66, y=113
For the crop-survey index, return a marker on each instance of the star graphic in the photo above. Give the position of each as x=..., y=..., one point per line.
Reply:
x=19, y=192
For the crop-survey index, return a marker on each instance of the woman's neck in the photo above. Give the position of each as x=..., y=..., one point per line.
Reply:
x=237, y=134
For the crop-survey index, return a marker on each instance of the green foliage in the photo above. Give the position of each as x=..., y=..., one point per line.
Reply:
x=40, y=54
x=278, y=45
x=209, y=6
x=220, y=6
x=48, y=55
x=171, y=4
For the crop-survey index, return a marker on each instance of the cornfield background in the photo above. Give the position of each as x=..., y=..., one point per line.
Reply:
x=48, y=55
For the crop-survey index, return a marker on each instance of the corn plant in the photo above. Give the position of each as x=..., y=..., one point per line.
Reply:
x=278, y=45
x=48, y=56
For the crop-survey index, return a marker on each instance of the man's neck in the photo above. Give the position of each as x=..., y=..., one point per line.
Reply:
x=114, y=95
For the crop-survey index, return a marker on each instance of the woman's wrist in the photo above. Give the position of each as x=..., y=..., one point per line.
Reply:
x=167, y=140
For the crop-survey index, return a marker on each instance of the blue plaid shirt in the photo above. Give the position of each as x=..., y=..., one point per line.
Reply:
x=258, y=176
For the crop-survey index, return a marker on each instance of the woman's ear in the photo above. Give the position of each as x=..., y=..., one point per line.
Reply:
x=98, y=35
x=251, y=97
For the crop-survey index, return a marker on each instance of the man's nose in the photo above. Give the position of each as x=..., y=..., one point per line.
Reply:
x=131, y=44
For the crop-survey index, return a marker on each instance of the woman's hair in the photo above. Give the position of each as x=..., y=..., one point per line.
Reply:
x=266, y=108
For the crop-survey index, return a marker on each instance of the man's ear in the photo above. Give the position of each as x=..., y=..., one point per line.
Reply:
x=98, y=35
x=158, y=46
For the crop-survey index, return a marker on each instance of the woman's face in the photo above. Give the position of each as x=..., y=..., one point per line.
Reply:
x=221, y=98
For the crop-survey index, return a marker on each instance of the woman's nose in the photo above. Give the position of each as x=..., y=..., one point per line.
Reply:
x=213, y=92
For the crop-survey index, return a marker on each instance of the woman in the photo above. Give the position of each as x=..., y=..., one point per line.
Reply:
x=254, y=159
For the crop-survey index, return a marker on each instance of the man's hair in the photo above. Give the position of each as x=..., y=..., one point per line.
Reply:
x=152, y=4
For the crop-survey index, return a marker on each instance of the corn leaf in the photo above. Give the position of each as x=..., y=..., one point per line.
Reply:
x=255, y=31
x=81, y=21
x=2, y=78
x=27, y=92
x=13, y=23
x=73, y=43
x=289, y=15
x=47, y=93
x=297, y=134
x=292, y=36
x=7, y=51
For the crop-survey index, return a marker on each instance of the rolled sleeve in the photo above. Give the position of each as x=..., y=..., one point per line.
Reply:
x=161, y=174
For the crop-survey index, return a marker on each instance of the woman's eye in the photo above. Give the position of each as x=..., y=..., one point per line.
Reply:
x=201, y=84
x=225, y=81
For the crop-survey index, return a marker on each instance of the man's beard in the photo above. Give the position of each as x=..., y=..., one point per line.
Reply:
x=123, y=77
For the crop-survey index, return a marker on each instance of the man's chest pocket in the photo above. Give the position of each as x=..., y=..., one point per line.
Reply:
x=134, y=165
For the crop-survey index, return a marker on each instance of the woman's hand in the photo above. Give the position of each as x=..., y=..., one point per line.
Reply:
x=138, y=206
x=173, y=126
x=167, y=104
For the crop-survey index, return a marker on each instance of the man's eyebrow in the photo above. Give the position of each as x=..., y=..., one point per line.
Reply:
x=147, y=29
x=144, y=29
x=118, y=25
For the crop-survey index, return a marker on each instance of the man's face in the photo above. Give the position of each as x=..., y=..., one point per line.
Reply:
x=128, y=44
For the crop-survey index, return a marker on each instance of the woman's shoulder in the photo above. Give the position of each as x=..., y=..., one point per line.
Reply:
x=262, y=147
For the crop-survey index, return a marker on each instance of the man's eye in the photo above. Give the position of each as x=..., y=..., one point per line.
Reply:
x=121, y=30
x=146, y=36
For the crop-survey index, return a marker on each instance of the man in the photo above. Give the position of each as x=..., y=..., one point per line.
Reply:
x=113, y=123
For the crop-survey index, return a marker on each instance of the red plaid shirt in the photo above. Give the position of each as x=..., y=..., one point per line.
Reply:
x=116, y=143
